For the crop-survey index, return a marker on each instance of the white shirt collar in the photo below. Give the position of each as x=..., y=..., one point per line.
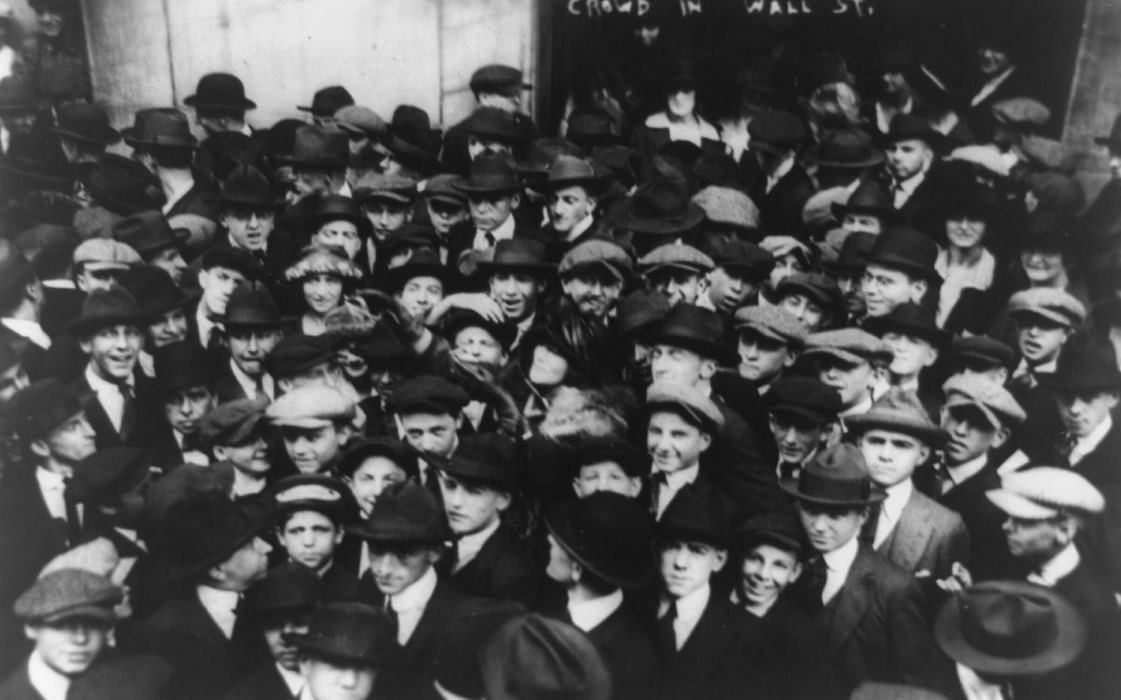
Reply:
x=177, y=195
x=974, y=688
x=1059, y=566
x=30, y=330
x=1045, y=368
x=469, y=545
x=861, y=407
x=48, y=682
x=292, y=679
x=249, y=384
x=581, y=226
x=98, y=384
x=205, y=325
x=221, y=606
x=910, y=184
x=780, y=172
x=692, y=131
x=690, y=607
x=966, y=470
x=891, y=509
x=417, y=594
x=588, y=614
x=503, y=232
x=675, y=481
x=345, y=190
x=49, y=480
x=840, y=559
x=1088, y=444
x=991, y=86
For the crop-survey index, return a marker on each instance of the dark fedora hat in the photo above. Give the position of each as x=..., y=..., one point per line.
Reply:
x=202, y=530
x=854, y=253
x=154, y=289
x=318, y=146
x=845, y=148
x=40, y=408
x=1113, y=141
x=640, y=310
x=779, y=528
x=905, y=249
x=334, y=207
x=85, y=122
x=906, y=127
x=532, y=657
x=163, y=127
x=776, y=132
x=567, y=171
x=661, y=206
x=609, y=534
x=837, y=476
x=121, y=185
x=108, y=307
x=349, y=634
x=220, y=91
x=288, y=588
x=405, y=514
x=486, y=458
x=422, y=262
x=148, y=232
x=589, y=128
x=17, y=96
x=491, y=174
x=524, y=254
x=1010, y=628
x=251, y=305
x=494, y=124
x=248, y=187
x=459, y=319
x=35, y=161
x=542, y=153
x=913, y=320
x=326, y=101
x=971, y=199
x=412, y=140
x=696, y=513
x=106, y=474
x=694, y=328
x=180, y=366
x=1087, y=363
x=899, y=411
x=413, y=237
x=869, y=197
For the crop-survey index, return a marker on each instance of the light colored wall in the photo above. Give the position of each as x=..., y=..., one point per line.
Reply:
x=386, y=52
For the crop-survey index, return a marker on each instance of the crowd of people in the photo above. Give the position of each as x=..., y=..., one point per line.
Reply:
x=812, y=400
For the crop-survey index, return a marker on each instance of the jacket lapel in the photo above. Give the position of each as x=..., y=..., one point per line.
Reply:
x=908, y=542
x=853, y=599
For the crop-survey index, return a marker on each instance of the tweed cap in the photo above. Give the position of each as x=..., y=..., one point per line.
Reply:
x=443, y=188
x=233, y=423
x=298, y=353
x=428, y=394
x=695, y=406
x=105, y=254
x=819, y=287
x=899, y=410
x=319, y=492
x=982, y=349
x=361, y=121
x=806, y=397
x=597, y=253
x=1045, y=302
x=675, y=255
x=1046, y=492
x=310, y=406
x=67, y=594
x=740, y=257
x=728, y=206
x=851, y=345
x=993, y=401
x=1022, y=112
x=771, y=322
x=381, y=187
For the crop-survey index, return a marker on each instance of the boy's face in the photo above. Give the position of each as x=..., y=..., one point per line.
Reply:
x=910, y=355
x=796, y=437
x=678, y=286
x=284, y=653
x=420, y=294
x=674, y=443
x=669, y=363
x=477, y=345
x=830, y=527
x=372, y=477
x=310, y=538
x=313, y=449
x=328, y=681
x=808, y=312
x=169, y=327
x=892, y=457
x=785, y=266
x=762, y=359
x=1035, y=540
x=884, y=289
x=516, y=293
x=445, y=214
x=1039, y=339
x=252, y=458
x=851, y=380
x=767, y=571
x=69, y=646
x=114, y=351
x=971, y=436
x=688, y=565
x=471, y=507
x=489, y=211
x=605, y=476
x=217, y=284
x=729, y=289
x=184, y=409
x=1083, y=411
x=594, y=292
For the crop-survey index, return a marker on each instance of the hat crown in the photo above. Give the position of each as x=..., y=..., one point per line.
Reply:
x=778, y=128
x=144, y=231
x=407, y=513
x=251, y=303
x=349, y=632
x=847, y=146
x=904, y=127
x=85, y=118
x=693, y=322
x=536, y=657
x=901, y=244
x=110, y=304
x=807, y=393
x=220, y=90
x=487, y=457
x=326, y=101
x=640, y=308
x=247, y=185
x=661, y=197
x=869, y=195
x=181, y=365
x=202, y=530
x=695, y=511
x=412, y=126
x=65, y=589
x=837, y=475
x=43, y=406
x=1088, y=362
x=314, y=144
x=290, y=586
x=513, y=252
x=492, y=173
x=163, y=127
x=566, y=167
x=1007, y=625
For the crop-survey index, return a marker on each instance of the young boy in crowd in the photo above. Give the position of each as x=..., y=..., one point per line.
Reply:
x=312, y=511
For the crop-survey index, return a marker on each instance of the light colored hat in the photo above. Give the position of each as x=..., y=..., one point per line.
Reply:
x=69, y=593
x=311, y=407
x=597, y=253
x=1045, y=492
x=772, y=322
x=990, y=398
x=105, y=254
x=899, y=410
x=851, y=345
x=675, y=255
x=323, y=260
x=726, y=205
x=1052, y=304
x=699, y=407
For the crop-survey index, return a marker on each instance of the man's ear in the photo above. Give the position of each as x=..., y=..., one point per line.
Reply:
x=515, y=200
x=708, y=368
x=791, y=358
x=924, y=451
x=577, y=571
x=721, y=560
x=220, y=452
x=919, y=288
x=1000, y=436
x=40, y=448
x=30, y=632
x=706, y=441
x=285, y=385
x=931, y=356
x=344, y=432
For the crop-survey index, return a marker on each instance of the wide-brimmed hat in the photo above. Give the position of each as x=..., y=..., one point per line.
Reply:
x=776, y=132
x=869, y=197
x=121, y=185
x=155, y=291
x=203, y=530
x=85, y=122
x=589, y=128
x=537, y=657
x=903, y=248
x=40, y=408
x=412, y=140
x=806, y=397
x=288, y=588
x=326, y=101
x=696, y=512
x=609, y=534
x=106, y=474
x=247, y=187
x=899, y=411
x=405, y=514
x=1087, y=363
x=913, y=320
x=517, y=254
x=566, y=171
x=853, y=256
x=494, y=124
x=148, y=232
x=349, y=634
x=160, y=127
x=836, y=476
x=905, y=127
x=491, y=174
x=318, y=146
x=697, y=329
x=35, y=161
x=487, y=458
x=108, y=307
x=180, y=366
x=845, y=148
x=220, y=91
x=661, y=206
x=1010, y=628
x=319, y=259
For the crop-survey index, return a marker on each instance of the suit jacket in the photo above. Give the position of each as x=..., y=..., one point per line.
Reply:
x=113, y=676
x=780, y=210
x=736, y=463
x=874, y=628
x=989, y=557
x=787, y=657
x=711, y=662
x=927, y=537
x=196, y=201
x=503, y=569
x=262, y=683
x=629, y=654
x=205, y=663
x=925, y=209
x=147, y=411
x=461, y=238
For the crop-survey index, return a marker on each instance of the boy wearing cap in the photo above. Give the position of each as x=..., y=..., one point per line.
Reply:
x=446, y=206
x=429, y=414
x=608, y=464
x=677, y=271
x=1045, y=320
x=232, y=433
x=770, y=339
x=311, y=512
x=848, y=360
x=593, y=274
x=896, y=436
x=681, y=427
x=599, y=547
x=100, y=262
x=867, y=607
x=915, y=342
x=300, y=360
x=803, y=419
x=315, y=423
x=981, y=357
x=813, y=298
x=739, y=271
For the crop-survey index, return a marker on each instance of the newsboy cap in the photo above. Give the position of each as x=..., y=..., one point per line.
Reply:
x=690, y=403
x=771, y=322
x=234, y=422
x=850, y=345
x=899, y=411
x=1040, y=493
x=105, y=254
x=406, y=513
x=498, y=79
x=982, y=349
x=428, y=394
x=775, y=132
x=675, y=256
x=728, y=206
x=1021, y=112
x=995, y=403
x=321, y=493
x=310, y=406
x=69, y=594
x=597, y=253
x=1055, y=305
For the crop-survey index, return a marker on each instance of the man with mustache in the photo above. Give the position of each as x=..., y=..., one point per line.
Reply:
x=677, y=271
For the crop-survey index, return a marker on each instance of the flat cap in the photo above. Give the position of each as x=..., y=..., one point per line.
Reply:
x=675, y=255
x=379, y=186
x=695, y=406
x=40, y=408
x=428, y=394
x=310, y=406
x=994, y=401
x=779, y=528
x=1045, y=492
x=498, y=79
x=298, y=353
x=1049, y=303
x=772, y=322
x=851, y=345
x=1021, y=111
x=899, y=411
x=819, y=287
x=983, y=349
x=806, y=397
x=443, y=188
x=741, y=257
x=355, y=119
x=67, y=594
x=233, y=423
x=105, y=254
x=728, y=206
x=597, y=253
x=776, y=131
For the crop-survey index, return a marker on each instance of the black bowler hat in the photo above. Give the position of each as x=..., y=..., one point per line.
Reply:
x=609, y=534
x=905, y=127
x=487, y=458
x=589, y=128
x=156, y=292
x=905, y=249
x=837, y=476
x=247, y=187
x=868, y=198
x=661, y=206
x=290, y=588
x=854, y=253
x=35, y=161
x=108, y=307
x=231, y=258
x=536, y=658
x=593, y=450
x=422, y=262
x=326, y=101
x=1087, y=363
x=334, y=207
x=318, y=146
x=405, y=514
x=427, y=394
x=220, y=91
x=148, y=232
x=517, y=255
x=459, y=319
x=163, y=127
x=498, y=79
x=910, y=319
x=85, y=122
x=383, y=346
x=491, y=174
x=180, y=366
x=496, y=124
x=696, y=329
x=780, y=528
x=251, y=305
x=349, y=634
x=806, y=397
x=121, y=185
x=845, y=148
x=412, y=140
x=641, y=310
x=776, y=132
x=106, y=474
x=203, y=530
x=696, y=513
x=297, y=353
x=397, y=451
x=40, y=408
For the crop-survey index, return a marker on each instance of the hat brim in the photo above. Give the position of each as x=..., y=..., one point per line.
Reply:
x=398, y=276
x=931, y=434
x=886, y=213
x=625, y=574
x=313, y=162
x=469, y=189
x=305, y=643
x=258, y=516
x=1057, y=382
x=931, y=334
x=723, y=355
x=244, y=103
x=485, y=266
x=1065, y=648
x=184, y=299
x=275, y=203
x=107, y=137
x=790, y=486
x=871, y=161
x=130, y=138
x=660, y=226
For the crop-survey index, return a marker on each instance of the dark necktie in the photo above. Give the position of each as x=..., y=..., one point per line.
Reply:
x=868, y=532
x=128, y=410
x=192, y=443
x=815, y=583
x=490, y=239
x=73, y=520
x=391, y=613
x=657, y=483
x=667, y=638
x=789, y=470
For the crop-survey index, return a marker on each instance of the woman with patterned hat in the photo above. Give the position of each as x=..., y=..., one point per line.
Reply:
x=324, y=274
